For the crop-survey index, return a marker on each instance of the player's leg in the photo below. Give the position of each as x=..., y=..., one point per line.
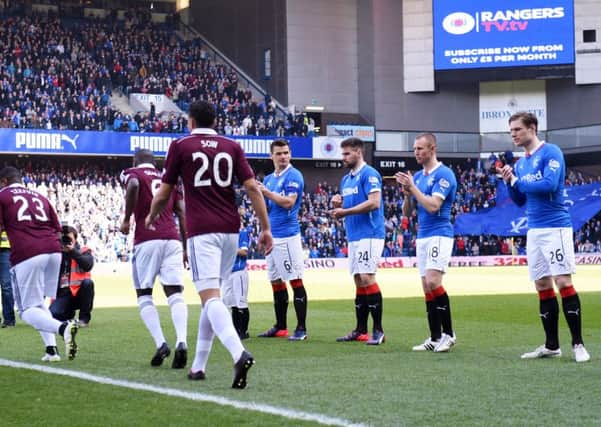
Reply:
x=294, y=273
x=275, y=270
x=51, y=354
x=31, y=280
x=212, y=258
x=171, y=276
x=563, y=265
x=68, y=329
x=361, y=305
x=370, y=251
x=540, y=273
x=235, y=295
x=241, y=296
x=433, y=317
x=145, y=267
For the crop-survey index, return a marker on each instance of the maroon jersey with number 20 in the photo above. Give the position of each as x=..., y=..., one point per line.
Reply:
x=208, y=164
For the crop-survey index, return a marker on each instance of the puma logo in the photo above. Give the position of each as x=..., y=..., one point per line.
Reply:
x=544, y=315
x=442, y=308
x=71, y=141
x=576, y=312
x=302, y=299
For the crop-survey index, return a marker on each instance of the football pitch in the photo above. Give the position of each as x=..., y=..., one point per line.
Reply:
x=482, y=381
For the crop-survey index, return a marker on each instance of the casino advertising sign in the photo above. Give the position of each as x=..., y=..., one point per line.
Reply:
x=502, y=33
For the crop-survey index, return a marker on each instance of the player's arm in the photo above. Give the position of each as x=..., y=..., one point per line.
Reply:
x=258, y=203
x=159, y=202
x=131, y=199
x=179, y=210
x=431, y=203
x=511, y=180
x=286, y=202
x=372, y=203
x=550, y=181
x=408, y=204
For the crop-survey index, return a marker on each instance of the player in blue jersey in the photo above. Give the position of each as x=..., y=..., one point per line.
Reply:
x=361, y=206
x=235, y=289
x=283, y=192
x=537, y=180
x=433, y=190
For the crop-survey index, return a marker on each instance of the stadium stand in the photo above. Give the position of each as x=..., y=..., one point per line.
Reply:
x=61, y=73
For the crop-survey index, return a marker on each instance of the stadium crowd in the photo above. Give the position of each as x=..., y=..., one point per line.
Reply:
x=60, y=74
x=89, y=197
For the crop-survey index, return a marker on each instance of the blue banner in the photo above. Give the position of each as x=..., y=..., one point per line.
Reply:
x=33, y=141
x=502, y=33
x=507, y=219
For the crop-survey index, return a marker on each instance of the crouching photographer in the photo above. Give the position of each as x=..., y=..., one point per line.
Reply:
x=75, y=285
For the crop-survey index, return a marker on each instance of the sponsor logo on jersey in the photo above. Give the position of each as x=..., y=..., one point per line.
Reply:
x=348, y=191
x=554, y=165
x=532, y=177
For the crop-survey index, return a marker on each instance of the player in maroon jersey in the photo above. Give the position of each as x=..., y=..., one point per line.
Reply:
x=208, y=165
x=34, y=233
x=157, y=252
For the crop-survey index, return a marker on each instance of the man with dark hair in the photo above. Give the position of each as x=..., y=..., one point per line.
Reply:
x=433, y=190
x=283, y=191
x=75, y=285
x=537, y=181
x=361, y=206
x=33, y=230
x=208, y=164
x=158, y=252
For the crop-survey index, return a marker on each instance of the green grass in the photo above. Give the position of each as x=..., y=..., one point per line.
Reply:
x=481, y=382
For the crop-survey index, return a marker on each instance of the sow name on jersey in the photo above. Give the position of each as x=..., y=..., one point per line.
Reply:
x=207, y=143
x=350, y=190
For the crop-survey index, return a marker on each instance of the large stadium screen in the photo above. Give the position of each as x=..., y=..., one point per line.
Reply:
x=502, y=33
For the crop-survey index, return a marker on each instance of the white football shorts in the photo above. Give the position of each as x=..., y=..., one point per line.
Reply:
x=234, y=291
x=34, y=279
x=211, y=257
x=550, y=252
x=163, y=258
x=286, y=260
x=364, y=255
x=433, y=253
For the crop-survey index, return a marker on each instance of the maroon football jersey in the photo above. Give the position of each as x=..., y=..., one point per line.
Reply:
x=30, y=223
x=208, y=164
x=149, y=179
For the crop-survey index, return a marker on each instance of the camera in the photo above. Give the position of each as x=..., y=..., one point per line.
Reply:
x=66, y=239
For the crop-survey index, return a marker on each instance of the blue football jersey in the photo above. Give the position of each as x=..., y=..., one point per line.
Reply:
x=540, y=185
x=284, y=222
x=355, y=190
x=439, y=182
x=240, y=263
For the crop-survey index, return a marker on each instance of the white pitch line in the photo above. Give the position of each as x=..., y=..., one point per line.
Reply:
x=173, y=392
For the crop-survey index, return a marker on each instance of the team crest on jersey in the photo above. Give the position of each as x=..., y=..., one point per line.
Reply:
x=444, y=183
x=535, y=162
x=554, y=165
x=430, y=181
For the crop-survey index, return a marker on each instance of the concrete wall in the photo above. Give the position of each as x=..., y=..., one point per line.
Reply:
x=322, y=54
x=243, y=29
